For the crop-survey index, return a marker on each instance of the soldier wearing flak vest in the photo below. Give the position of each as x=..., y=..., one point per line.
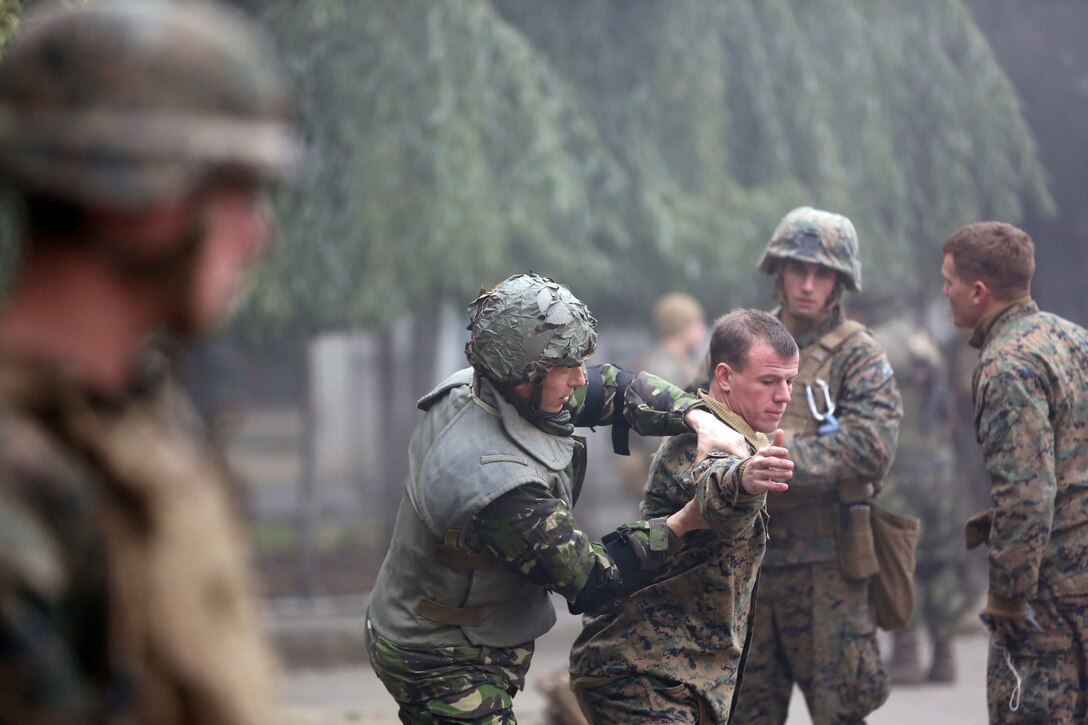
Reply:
x=485, y=529
x=815, y=624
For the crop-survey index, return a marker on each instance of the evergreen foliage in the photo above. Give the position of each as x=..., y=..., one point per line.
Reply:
x=622, y=147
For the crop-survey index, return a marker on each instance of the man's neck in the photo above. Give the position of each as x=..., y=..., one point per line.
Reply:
x=799, y=326
x=716, y=401
x=77, y=316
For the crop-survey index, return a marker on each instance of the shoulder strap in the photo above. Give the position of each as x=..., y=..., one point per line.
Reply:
x=826, y=346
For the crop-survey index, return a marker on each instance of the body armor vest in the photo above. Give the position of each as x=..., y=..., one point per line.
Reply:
x=806, y=523
x=438, y=586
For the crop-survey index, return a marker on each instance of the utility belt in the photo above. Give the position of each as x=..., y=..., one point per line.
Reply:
x=871, y=542
x=849, y=521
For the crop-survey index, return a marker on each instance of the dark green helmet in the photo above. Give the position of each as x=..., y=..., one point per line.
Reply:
x=525, y=326
x=812, y=235
x=127, y=102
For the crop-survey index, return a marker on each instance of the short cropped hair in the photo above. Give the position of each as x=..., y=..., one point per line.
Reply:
x=999, y=254
x=736, y=333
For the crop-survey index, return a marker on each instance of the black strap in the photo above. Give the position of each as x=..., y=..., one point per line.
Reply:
x=594, y=403
x=621, y=429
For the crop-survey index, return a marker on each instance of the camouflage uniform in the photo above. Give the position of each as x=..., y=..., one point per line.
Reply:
x=124, y=595
x=921, y=484
x=673, y=653
x=123, y=587
x=1031, y=415
x=815, y=626
x=486, y=528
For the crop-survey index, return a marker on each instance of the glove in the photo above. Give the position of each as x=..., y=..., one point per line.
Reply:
x=1009, y=621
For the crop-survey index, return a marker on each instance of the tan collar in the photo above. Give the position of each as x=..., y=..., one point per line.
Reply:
x=755, y=439
x=982, y=327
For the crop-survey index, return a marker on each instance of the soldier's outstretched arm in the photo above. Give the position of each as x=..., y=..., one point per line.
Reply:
x=649, y=405
x=534, y=534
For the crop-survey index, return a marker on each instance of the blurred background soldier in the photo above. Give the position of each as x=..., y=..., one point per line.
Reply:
x=680, y=328
x=814, y=623
x=921, y=484
x=485, y=528
x=137, y=136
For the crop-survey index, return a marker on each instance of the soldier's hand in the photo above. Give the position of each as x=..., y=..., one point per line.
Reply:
x=770, y=469
x=1009, y=631
x=689, y=518
x=714, y=435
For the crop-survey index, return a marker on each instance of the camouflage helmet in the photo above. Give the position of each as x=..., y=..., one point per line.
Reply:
x=127, y=102
x=525, y=326
x=812, y=235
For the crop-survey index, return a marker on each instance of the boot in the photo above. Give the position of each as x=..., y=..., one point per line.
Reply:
x=943, y=668
x=905, y=667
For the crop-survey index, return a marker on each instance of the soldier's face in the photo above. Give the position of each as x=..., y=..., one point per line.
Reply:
x=760, y=391
x=236, y=228
x=806, y=288
x=555, y=391
x=962, y=296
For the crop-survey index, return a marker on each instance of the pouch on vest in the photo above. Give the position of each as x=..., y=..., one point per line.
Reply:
x=857, y=555
x=895, y=538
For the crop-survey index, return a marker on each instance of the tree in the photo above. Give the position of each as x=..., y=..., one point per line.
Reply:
x=625, y=148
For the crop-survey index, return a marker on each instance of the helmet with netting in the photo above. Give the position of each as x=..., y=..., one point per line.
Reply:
x=813, y=235
x=525, y=326
x=129, y=102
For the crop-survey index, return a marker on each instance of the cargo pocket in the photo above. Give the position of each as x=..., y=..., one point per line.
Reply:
x=864, y=684
x=474, y=704
x=1025, y=684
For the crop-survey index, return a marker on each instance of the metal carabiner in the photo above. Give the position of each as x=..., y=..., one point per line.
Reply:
x=828, y=422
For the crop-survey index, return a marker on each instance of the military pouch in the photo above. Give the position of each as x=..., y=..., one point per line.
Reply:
x=857, y=556
x=895, y=538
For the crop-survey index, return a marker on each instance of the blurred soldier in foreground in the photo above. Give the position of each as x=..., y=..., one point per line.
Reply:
x=136, y=135
x=485, y=529
x=921, y=484
x=1031, y=416
x=674, y=651
x=814, y=623
x=681, y=332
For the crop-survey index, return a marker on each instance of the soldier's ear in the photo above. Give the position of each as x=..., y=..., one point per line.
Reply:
x=980, y=292
x=723, y=375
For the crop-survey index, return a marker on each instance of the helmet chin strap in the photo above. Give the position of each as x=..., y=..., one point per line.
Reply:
x=557, y=423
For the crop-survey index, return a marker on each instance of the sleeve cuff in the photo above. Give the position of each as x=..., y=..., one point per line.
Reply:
x=1005, y=606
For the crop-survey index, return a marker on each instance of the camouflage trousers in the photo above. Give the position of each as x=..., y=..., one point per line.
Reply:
x=817, y=629
x=1044, y=679
x=640, y=700
x=453, y=685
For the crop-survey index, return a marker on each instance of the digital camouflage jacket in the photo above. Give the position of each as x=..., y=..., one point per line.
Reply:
x=124, y=594
x=691, y=625
x=1031, y=415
